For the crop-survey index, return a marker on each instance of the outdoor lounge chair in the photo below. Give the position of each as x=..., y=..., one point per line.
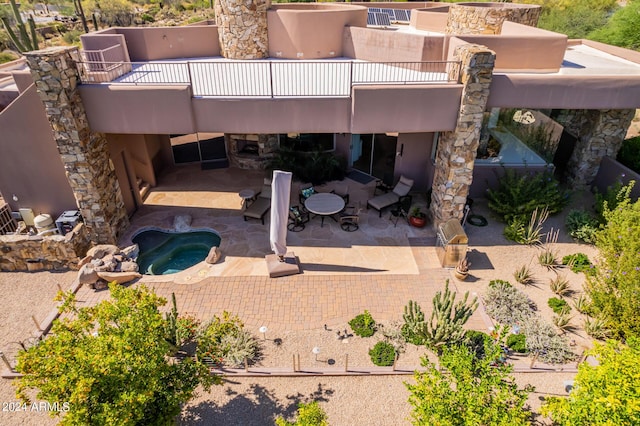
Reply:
x=260, y=206
x=383, y=201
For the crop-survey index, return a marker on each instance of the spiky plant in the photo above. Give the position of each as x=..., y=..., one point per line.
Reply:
x=238, y=347
x=596, y=328
x=531, y=233
x=549, y=258
x=560, y=285
x=562, y=321
x=582, y=303
x=24, y=40
x=413, y=323
x=447, y=319
x=523, y=275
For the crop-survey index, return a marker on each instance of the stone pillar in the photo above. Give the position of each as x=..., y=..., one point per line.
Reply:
x=242, y=27
x=608, y=129
x=457, y=149
x=466, y=19
x=84, y=153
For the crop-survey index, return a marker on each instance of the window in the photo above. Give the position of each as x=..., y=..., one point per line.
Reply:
x=307, y=142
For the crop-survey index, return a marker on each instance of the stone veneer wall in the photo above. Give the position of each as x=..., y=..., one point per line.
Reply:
x=457, y=149
x=34, y=253
x=267, y=146
x=603, y=137
x=84, y=153
x=463, y=19
x=242, y=28
x=526, y=15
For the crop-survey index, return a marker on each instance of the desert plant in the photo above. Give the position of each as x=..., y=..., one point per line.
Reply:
x=582, y=303
x=477, y=342
x=562, y=321
x=527, y=233
x=578, y=262
x=549, y=258
x=582, y=225
x=224, y=339
x=24, y=41
x=558, y=305
x=542, y=338
x=519, y=194
x=596, y=328
x=560, y=285
x=517, y=343
x=238, y=347
x=523, y=275
x=447, y=318
x=393, y=334
x=609, y=200
x=506, y=304
x=383, y=354
x=363, y=325
x=310, y=414
x=413, y=323
x=463, y=265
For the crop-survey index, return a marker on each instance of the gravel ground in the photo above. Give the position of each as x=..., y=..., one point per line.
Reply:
x=374, y=400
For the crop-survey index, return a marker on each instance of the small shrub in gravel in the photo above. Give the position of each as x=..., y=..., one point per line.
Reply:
x=506, y=304
x=543, y=339
x=383, y=354
x=517, y=343
x=582, y=225
x=363, y=325
x=477, y=341
x=523, y=275
x=558, y=305
x=579, y=262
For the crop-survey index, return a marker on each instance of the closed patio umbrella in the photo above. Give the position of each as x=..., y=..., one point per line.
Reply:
x=280, y=195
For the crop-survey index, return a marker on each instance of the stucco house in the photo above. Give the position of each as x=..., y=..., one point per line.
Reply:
x=405, y=95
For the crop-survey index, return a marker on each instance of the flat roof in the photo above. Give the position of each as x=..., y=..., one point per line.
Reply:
x=582, y=59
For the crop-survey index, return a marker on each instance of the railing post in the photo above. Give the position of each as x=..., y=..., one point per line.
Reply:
x=350, y=77
x=271, y=77
x=190, y=78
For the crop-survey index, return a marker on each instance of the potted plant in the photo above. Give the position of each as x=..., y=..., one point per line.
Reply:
x=462, y=269
x=417, y=218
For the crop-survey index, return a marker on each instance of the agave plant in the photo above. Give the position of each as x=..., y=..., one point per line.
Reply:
x=582, y=303
x=523, y=275
x=563, y=321
x=595, y=328
x=560, y=285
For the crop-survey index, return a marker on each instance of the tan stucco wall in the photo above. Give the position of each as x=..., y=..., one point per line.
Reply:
x=125, y=173
x=424, y=108
x=151, y=43
x=310, y=31
x=433, y=19
x=372, y=44
x=30, y=166
x=138, y=109
x=306, y=115
x=415, y=160
x=564, y=91
x=99, y=41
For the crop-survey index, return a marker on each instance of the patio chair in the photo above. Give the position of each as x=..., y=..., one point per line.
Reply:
x=343, y=191
x=259, y=208
x=350, y=218
x=306, y=191
x=401, y=209
x=383, y=201
x=297, y=219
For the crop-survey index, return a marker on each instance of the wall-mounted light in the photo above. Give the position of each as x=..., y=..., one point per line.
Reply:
x=15, y=197
x=399, y=153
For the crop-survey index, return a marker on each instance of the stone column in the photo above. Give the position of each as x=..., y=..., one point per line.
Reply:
x=608, y=129
x=242, y=28
x=457, y=149
x=467, y=19
x=84, y=153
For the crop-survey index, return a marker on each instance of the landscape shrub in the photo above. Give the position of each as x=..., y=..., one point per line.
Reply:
x=506, y=304
x=614, y=195
x=224, y=340
x=558, y=305
x=316, y=166
x=543, y=339
x=310, y=414
x=519, y=194
x=477, y=342
x=578, y=262
x=503, y=283
x=517, y=343
x=412, y=329
x=383, y=354
x=363, y=325
x=582, y=225
x=629, y=154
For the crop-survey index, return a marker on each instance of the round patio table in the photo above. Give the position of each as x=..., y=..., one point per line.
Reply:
x=324, y=204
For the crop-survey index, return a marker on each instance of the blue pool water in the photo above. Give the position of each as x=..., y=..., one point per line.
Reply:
x=163, y=253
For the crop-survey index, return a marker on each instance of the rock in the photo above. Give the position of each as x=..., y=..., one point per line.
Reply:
x=109, y=264
x=101, y=250
x=213, y=256
x=131, y=252
x=182, y=223
x=84, y=261
x=87, y=275
x=101, y=285
x=119, y=277
x=128, y=266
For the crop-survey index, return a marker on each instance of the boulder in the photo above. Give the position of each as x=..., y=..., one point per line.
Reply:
x=128, y=266
x=213, y=256
x=87, y=275
x=84, y=261
x=131, y=252
x=119, y=277
x=101, y=250
x=109, y=264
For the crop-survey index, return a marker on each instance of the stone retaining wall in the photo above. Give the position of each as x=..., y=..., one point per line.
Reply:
x=52, y=253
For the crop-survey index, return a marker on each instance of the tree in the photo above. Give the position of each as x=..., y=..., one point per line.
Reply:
x=476, y=391
x=622, y=28
x=310, y=414
x=615, y=286
x=111, y=363
x=604, y=394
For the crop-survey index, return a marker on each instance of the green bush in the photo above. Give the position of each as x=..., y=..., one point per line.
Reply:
x=582, y=225
x=517, y=343
x=613, y=196
x=316, y=166
x=506, y=304
x=310, y=414
x=363, y=325
x=383, y=354
x=477, y=342
x=558, y=305
x=578, y=262
x=502, y=283
x=224, y=340
x=519, y=194
x=7, y=56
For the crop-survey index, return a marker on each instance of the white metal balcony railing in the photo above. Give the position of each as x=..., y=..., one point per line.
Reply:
x=272, y=78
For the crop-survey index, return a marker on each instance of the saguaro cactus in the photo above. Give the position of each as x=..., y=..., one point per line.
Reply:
x=24, y=41
x=447, y=318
